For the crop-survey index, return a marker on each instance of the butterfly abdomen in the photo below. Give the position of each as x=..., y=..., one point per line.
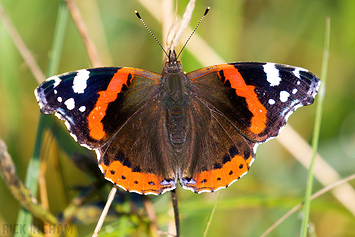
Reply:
x=176, y=126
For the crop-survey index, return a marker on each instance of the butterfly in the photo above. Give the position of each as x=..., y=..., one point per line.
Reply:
x=151, y=131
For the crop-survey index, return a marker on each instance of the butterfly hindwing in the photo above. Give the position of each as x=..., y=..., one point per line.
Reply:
x=217, y=153
x=138, y=158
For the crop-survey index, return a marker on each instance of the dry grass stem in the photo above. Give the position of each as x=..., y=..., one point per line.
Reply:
x=21, y=47
x=323, y=172
x=149, y=208
x=18, y=189
x=333, y=186
x=110, y=198
x=177, y=28
x=80, y=24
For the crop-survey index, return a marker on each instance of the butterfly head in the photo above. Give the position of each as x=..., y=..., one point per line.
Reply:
x=173, y=65
x=172, y=56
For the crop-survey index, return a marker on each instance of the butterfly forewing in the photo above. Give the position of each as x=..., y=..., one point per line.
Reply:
x=83, y=99
x=257, y=98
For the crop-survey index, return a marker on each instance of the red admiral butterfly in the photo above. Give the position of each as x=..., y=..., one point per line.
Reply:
x=200, y=129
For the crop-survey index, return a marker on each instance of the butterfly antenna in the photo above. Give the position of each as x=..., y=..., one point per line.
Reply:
x=188, y=39
x=145, y=25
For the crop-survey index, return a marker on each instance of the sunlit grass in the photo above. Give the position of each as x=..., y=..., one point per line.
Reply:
x=316, y=131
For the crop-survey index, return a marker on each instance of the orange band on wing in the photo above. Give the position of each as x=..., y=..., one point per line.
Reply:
x=109, y=95
x=258, y=121
x=223, y=177
x=139, y=182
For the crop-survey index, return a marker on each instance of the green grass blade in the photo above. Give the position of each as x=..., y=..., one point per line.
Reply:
x=58, y=40
x=31, y=182
x=316, y=130
x=212, y=214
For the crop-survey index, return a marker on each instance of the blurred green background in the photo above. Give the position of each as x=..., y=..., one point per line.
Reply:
x=288, y=32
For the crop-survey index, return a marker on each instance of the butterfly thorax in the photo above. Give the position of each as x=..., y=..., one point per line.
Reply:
x=174, y=83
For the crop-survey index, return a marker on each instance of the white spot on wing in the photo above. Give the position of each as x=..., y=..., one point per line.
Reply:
x=284, y=96
x=79, y=82
x=294, y=91
x=271, y=101
x=70, y=103
x=296, y=72
x=82, y=108
x=59, y=99
x=272, y=74
x=56, y=79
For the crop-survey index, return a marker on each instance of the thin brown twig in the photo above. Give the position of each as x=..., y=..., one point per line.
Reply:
x=80, y=24
x=18, y=189
x=148, y=206
x=314, y=196
x=21, y=47
x=176, y=211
